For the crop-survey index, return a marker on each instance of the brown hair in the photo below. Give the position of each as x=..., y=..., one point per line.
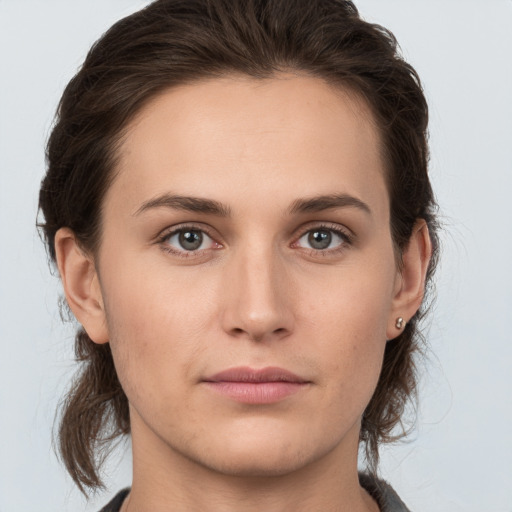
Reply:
x=174, y=42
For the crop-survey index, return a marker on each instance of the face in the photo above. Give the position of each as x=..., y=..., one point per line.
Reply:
x=247, y=272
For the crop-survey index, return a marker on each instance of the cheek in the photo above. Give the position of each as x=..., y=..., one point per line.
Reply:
x=156, y=325
x=354, y=301
x=347, y=318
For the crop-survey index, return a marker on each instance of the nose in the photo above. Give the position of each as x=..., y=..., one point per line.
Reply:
x=258, y=292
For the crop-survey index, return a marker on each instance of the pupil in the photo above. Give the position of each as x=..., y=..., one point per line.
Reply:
x=320, y=239
x=191, y=240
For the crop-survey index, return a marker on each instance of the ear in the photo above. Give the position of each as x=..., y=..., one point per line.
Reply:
x=410, y=280
x=81, y=285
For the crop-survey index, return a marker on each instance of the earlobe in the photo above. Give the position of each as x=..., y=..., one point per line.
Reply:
x=81, y=285
x=410, y=285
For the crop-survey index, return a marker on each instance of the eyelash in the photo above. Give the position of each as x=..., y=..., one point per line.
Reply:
x=345, y=234
x=164, y=237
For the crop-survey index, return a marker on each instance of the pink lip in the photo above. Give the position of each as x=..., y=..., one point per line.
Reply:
x=264, y=386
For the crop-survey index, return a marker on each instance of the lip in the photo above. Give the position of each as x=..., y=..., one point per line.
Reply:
x=256, y=386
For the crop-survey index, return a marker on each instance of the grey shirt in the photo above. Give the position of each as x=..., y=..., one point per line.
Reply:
x=380, y=491
x=383, y=494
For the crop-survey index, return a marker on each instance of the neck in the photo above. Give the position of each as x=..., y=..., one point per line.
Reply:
x=164, y=480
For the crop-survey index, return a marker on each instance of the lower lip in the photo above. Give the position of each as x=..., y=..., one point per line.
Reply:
x=256, y=392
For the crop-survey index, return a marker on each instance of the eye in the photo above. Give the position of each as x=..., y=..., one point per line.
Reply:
x=188, y=240
x=321, y=239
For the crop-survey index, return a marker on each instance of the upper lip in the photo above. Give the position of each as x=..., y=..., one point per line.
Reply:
x=246, y=374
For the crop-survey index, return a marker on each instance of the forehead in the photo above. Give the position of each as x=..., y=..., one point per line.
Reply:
x=293, y=134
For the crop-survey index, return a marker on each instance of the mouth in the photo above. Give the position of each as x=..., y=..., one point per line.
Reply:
x=251, y=386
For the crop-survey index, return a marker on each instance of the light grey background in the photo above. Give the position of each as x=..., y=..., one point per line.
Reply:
x=460, y=456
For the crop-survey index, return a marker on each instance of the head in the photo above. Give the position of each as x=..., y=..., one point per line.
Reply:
x=236, y=73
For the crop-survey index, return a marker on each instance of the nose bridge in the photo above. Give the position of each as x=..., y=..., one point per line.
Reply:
x=258, y=305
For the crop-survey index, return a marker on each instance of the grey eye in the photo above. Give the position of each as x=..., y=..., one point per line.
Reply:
x=190, y=240
x=320, y=239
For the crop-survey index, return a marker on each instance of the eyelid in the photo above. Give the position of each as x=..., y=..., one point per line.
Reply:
x=328, y=226
x=182, y=226
x=340, y=230
x=344, y=232
x=170, y=231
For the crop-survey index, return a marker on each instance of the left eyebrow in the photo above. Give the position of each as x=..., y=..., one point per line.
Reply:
x=327, y=202
x=185, y=203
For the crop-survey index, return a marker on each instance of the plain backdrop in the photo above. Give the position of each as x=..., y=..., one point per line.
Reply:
x=459, y=458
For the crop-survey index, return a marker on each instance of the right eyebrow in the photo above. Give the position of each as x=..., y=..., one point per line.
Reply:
x=327, y=202
x=185, y=203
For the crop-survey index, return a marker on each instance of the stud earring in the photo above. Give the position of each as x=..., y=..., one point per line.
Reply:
x=400, y=323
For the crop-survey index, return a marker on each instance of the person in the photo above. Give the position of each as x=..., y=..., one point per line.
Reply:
x=238, y=204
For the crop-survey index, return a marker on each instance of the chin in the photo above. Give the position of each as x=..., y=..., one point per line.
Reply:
x=256, y=464
x=260, y=457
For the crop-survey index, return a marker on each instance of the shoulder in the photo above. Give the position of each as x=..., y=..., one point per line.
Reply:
x=385, y=496
x=117, y=501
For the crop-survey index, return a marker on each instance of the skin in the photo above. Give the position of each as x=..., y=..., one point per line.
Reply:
x=255, y=294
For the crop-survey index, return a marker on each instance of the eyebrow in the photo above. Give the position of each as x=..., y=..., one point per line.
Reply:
x=212, y=207
x=186, y=203
x=327, y=202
